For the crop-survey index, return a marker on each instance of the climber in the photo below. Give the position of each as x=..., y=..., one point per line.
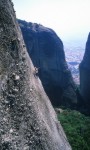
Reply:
x=36, y=71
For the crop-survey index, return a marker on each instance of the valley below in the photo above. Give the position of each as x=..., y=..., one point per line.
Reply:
x=74, y=56
x=44, y=87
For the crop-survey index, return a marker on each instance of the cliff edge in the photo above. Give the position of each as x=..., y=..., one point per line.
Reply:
x=85, y=76
x=47, y=53
x=27, y=119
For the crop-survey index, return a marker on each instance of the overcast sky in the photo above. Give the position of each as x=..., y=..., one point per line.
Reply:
x=69, y=18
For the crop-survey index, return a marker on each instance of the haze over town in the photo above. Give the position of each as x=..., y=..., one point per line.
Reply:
x=70, y=19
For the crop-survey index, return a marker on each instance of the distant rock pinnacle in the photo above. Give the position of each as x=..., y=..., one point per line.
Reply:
x=47, y=53
x=85, y=75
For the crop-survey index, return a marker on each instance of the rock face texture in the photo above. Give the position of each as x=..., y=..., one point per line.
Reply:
x=47, y=53
x=85, y=75
x=27, y=119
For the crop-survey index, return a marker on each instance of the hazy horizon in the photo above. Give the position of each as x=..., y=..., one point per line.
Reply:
x=68, y=18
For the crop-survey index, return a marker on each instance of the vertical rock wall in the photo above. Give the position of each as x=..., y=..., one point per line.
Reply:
x=27, y=119
x=47, y=53
x=85, y=75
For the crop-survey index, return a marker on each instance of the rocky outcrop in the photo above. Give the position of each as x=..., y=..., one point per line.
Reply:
x=85, y=75
x=27, y=119
x=47, y=53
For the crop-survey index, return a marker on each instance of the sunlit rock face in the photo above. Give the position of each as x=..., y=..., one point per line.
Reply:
x=27, y=119
x=47, y=53
x=85, y=75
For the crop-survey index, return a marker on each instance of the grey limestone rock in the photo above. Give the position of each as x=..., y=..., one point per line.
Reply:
x=27, y=118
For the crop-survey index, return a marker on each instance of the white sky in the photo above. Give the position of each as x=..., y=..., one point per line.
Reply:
x=69, y=18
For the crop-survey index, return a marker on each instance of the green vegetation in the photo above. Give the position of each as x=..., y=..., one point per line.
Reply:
x=77, y=129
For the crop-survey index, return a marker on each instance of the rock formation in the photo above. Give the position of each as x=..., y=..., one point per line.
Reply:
x=85, y=75
x=47, y=53
x=27, y=119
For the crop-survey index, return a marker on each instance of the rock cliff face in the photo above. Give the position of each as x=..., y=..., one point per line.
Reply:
x=85, y=75
x=27, y=119
x=47, y=53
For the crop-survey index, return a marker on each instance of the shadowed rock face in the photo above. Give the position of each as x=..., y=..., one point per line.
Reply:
x=47, y=53
x=85, y=75
x=27, y=119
